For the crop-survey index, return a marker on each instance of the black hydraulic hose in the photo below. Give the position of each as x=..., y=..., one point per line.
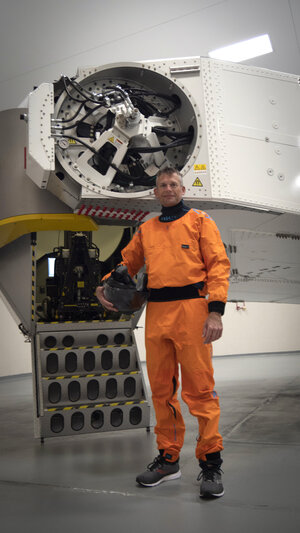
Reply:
x=148, y=105
x=90, y=112
x=163, y=147
x=74, y=116
x=69, y=94
x=82, y=91
x=154, y=109
x=79, y=89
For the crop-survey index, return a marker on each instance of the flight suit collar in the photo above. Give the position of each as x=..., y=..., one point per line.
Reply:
x=168, y=214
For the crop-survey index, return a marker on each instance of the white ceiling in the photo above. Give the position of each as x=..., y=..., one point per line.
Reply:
x=41, y=39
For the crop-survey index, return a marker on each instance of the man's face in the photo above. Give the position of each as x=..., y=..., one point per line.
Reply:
x=169, y=191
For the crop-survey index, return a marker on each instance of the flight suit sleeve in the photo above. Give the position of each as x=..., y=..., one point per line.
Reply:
x=217, y=264
x=133, y=254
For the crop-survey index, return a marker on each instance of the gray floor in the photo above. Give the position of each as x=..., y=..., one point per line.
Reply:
x=87, y=484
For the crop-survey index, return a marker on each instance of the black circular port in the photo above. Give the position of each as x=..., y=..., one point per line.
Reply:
x=50, y=341
x=102, y=339
x=119, y=338
x=68, y=341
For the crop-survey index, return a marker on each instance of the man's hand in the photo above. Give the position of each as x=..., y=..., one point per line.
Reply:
x=105, y=303
x=213, y=328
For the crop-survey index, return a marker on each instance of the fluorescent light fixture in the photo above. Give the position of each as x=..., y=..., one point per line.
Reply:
x=51, y=267
x=258, y=46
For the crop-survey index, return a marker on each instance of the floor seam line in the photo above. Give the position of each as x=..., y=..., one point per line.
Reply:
x=267, y=400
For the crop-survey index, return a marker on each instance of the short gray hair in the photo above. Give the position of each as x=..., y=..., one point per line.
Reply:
x=169, y=171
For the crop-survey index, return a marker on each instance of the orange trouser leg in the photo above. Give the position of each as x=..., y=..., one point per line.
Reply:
x=174, y=335
x=162, y=367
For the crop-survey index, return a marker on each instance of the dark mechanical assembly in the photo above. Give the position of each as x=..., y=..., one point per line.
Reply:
x=70, y=293
x=116, y=128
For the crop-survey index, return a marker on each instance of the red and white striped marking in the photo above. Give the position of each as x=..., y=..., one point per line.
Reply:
x=111, y=213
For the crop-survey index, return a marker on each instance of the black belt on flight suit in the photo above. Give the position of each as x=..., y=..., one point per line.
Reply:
x=169, y=294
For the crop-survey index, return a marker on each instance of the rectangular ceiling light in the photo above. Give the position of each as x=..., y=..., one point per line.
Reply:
x=243, y=50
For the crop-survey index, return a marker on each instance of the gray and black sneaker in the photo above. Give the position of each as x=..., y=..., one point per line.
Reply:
x=211, y=481
x=158, y=471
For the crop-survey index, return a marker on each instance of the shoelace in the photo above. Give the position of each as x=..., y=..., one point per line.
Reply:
x=157, y=463
x=208, y=473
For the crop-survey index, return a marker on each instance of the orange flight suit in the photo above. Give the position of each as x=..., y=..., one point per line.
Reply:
x=176, y=254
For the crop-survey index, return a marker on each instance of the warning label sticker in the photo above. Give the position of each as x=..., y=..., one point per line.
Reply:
x=115, y=140
x=197, y=183
x=200, y=167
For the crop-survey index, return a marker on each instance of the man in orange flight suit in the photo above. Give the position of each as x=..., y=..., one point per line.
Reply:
x=188, y=272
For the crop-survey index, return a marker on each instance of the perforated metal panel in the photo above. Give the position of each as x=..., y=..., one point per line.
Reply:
x=88, y=379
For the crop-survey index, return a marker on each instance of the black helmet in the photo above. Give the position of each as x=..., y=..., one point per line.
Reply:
x=123, y=293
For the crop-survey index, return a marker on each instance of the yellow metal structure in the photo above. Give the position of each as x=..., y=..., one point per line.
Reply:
x=14, y=227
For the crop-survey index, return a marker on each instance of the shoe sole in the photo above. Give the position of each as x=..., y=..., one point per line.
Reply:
x=165, y=478
x=208, y=495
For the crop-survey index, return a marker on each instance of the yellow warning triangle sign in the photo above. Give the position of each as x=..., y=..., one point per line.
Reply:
x=111, y=139
x=197, y=183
